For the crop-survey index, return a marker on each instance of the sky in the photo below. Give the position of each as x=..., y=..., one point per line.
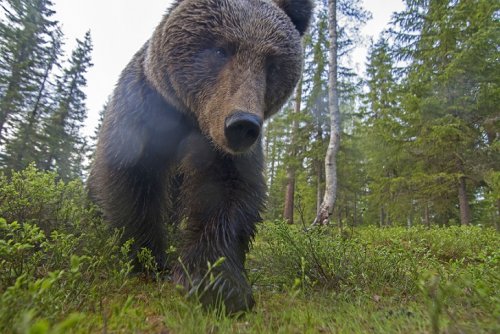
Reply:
x=120, y=27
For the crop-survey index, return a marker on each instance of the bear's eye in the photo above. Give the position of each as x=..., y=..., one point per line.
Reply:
x=220, y=52
x=212, y=59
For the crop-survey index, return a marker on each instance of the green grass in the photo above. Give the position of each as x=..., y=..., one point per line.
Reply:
x=390, y=285
x=62, y=271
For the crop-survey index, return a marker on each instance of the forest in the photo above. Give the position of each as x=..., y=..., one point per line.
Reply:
x=408, y=155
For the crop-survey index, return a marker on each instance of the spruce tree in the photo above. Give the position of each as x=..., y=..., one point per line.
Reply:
x=384, y=138
x=26, y=35
x=23, y=147
x=63, y=145
x=92, y=146
x=450, y=47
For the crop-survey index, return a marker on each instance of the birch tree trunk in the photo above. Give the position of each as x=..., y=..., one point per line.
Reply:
x=319, y=173
x=330, y=195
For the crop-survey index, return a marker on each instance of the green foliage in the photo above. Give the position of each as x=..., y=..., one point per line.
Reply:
x=430, y=137
x=429, y=120
x=325, y=258
x=72, y=275
x=64, y=146
x=32, y=196
x=24, y=146
x=54, y=252
x=41, y=109
x=453, y=272
x=27, y=30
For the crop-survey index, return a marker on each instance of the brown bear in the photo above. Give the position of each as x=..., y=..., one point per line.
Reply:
x=181, y=137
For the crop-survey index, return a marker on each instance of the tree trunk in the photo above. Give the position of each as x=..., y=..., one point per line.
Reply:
x=464, y=202
x=339, y=217
x=267, y=152
x=347, y=213
x=7, y=104
x=409, y=222
x=319, y=185
x=355, y=217
x=3, y=120
x=382, y=217
x=289, y=196
x=272, y=154
x=28, y=137
x=333, y=106
x=497, y=216
x=319, y=168
x=14, y=89
x=427, y=220
x=291, y=168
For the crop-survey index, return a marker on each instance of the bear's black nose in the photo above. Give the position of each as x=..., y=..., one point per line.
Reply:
x=242, y=130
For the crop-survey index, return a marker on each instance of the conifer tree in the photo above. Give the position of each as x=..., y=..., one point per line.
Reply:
x=92, y=146
x=23, y=147
x=316, y=99
x=388, y=138
x=450, y=47
x=26, y=37
x=63, y=145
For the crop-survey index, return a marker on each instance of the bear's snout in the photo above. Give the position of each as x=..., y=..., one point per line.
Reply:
x=242, y=129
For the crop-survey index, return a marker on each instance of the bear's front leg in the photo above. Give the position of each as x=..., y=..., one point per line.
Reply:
x=223, y=196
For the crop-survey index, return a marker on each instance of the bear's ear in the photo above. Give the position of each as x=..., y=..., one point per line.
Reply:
x=299, y=11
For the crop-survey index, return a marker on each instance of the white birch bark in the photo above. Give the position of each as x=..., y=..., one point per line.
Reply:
x=330, y=195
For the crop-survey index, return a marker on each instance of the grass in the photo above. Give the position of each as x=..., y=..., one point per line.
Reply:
x=440, y=289
x=146, y=310
x=62, y=271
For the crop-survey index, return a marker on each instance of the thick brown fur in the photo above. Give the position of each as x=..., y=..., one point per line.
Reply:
x=163, y=155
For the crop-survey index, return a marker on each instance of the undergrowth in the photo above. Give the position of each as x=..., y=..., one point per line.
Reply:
x=62, y=270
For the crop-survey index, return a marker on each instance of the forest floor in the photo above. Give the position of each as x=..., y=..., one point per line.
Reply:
x=62, y=270
x=148, y=308
x=364, y=280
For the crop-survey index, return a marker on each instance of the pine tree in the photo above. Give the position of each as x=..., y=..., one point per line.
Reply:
x=316, y=100
x=292, y=163
x=94, y=138
x=23, y=148
x=63, y=144
x=385, y=135
x=26, y=35
x=450, y=47
x=277, y=134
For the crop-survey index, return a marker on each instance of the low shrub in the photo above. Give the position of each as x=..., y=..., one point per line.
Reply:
x=56, y=256
x=62, y=269
x=370, y=259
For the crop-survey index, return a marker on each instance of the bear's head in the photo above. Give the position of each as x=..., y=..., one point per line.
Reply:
x=229, y=63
